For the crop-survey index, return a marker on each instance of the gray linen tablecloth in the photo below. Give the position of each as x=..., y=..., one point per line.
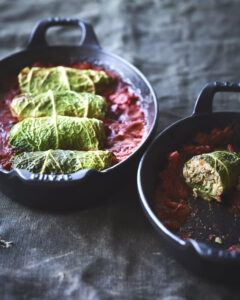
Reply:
x=111, y=251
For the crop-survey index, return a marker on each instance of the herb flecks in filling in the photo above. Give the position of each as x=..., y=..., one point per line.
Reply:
x=212, y=174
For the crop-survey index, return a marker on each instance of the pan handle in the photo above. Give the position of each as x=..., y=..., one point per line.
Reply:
x=38, y=36
x=210, y=253
x=205, y=99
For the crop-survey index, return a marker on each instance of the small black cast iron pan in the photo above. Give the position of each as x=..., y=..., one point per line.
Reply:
x=84, y=187
x=200, y=255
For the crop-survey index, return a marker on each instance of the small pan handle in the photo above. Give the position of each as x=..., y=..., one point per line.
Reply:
x=208, y=252
x=205, y=99
x=38, y=36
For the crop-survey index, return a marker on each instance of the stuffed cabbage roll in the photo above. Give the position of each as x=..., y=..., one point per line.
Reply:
x=39, y=134
x=212, y=174
x=62, y=161
x=38, y=80
x=66, y=103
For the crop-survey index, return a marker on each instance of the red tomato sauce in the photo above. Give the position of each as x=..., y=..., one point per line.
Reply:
x=6, y=122
x=125, y=123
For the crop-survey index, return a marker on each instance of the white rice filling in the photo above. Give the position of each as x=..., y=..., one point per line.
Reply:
x=201, y=173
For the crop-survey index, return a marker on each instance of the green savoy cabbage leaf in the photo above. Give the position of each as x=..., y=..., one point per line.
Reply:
x=62, y=161
x=57, y=132
x=65, y=103
x=38, y=80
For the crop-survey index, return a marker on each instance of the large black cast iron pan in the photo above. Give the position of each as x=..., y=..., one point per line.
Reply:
x=78, y=189
x=203, y=256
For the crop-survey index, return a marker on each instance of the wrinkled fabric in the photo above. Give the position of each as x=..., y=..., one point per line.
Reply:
x=111, y=251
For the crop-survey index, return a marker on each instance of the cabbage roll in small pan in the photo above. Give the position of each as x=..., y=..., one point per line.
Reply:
x=62, y=161
x=212, y=174
x=59, y=132
x=38, y=80
x=66, y=103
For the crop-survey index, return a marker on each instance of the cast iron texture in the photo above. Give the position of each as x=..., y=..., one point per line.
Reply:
x=87, y=186
x=200, y=257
